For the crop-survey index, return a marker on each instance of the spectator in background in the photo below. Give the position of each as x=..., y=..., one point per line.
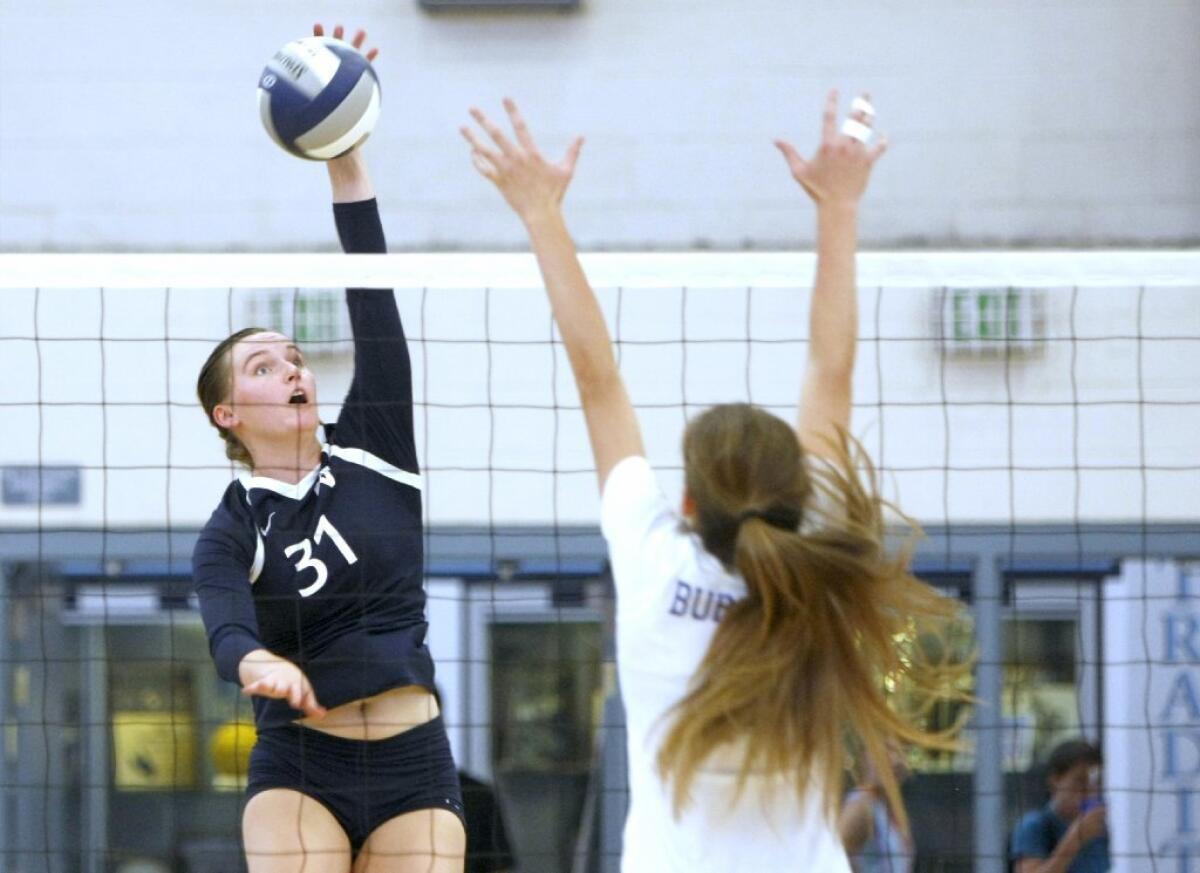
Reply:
x=1070, y=833
x=874, y=837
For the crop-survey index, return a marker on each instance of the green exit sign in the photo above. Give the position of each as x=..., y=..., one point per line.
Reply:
x=317, y=319
x=991, y=322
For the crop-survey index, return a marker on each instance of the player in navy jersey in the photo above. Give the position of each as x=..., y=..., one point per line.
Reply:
x=310, y=581
x=754, y=623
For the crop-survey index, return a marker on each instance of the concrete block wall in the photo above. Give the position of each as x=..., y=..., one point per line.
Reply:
x=132, y=125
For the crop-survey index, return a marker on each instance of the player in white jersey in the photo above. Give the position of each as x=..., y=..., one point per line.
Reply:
x=756, y=625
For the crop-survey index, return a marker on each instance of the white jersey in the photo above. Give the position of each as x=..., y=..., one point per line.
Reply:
x=670, y=596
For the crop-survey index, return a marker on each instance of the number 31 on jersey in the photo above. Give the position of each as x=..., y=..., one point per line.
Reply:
x=307, y=561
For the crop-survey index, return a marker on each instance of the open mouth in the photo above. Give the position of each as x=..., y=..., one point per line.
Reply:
x=298, y=397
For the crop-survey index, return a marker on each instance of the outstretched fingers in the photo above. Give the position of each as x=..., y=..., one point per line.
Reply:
x=359, y=38
x=497, y=135
x=520, y=128
x=858, y=128
x=829, y=118
x=876, y=151
x=486, y=168
x=486, y=160
x=572, y=156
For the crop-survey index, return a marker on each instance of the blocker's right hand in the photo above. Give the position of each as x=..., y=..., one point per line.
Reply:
x=338, y=33
x=266, y=675
x=532, y=185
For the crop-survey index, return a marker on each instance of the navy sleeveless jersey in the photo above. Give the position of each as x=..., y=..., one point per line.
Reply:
x=328, y=572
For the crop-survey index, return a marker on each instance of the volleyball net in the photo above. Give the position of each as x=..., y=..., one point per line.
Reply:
x=1038, y=413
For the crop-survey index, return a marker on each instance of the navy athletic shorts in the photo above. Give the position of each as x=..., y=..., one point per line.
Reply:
x=364, y=783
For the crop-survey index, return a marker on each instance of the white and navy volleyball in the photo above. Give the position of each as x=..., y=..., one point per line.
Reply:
x=318, y=97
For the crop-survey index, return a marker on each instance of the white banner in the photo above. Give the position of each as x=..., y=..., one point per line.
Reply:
x=1152, y=716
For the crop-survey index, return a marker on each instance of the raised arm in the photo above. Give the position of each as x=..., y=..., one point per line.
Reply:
x=534, y=188
x=835, y=178
x=349, y=179
x=348, y=173
x=378, y=413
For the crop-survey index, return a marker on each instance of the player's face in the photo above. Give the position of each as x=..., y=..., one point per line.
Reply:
x=274, y=392
x=1072, y=788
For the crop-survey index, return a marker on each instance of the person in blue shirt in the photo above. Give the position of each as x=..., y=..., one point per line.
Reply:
x=310, y=580
x=1070, y=833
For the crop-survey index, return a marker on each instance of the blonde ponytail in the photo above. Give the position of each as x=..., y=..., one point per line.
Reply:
x=801, y=672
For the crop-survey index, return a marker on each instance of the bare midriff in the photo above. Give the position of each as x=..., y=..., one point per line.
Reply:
x=377, y=718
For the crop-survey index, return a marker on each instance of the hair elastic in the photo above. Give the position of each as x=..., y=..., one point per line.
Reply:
x=776, y=518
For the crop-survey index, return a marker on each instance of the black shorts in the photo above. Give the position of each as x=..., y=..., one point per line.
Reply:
x=364, y=783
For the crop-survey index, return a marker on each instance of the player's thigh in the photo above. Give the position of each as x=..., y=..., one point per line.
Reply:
x=285, y=831
x=423, y=841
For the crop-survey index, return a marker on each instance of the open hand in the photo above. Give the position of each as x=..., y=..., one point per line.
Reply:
x=531, y=185
x=838, y=172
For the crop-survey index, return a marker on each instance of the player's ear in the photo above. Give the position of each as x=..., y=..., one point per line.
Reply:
x=224, y=416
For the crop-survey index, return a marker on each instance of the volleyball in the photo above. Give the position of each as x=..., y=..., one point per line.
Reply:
x=318, y=97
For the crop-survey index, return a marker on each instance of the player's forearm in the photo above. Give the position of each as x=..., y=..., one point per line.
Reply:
x=833, y=316
x=1060, y=859
x=1053, y=864
x=576, y=310
x=349, y=179
x=1064, y=853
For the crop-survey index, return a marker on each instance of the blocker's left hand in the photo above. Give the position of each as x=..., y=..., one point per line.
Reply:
x=838, y=173
x=532, y=185
x=360, y=37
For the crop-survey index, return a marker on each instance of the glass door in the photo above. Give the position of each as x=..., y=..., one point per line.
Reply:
x=1051, y=680
x=164, y=748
